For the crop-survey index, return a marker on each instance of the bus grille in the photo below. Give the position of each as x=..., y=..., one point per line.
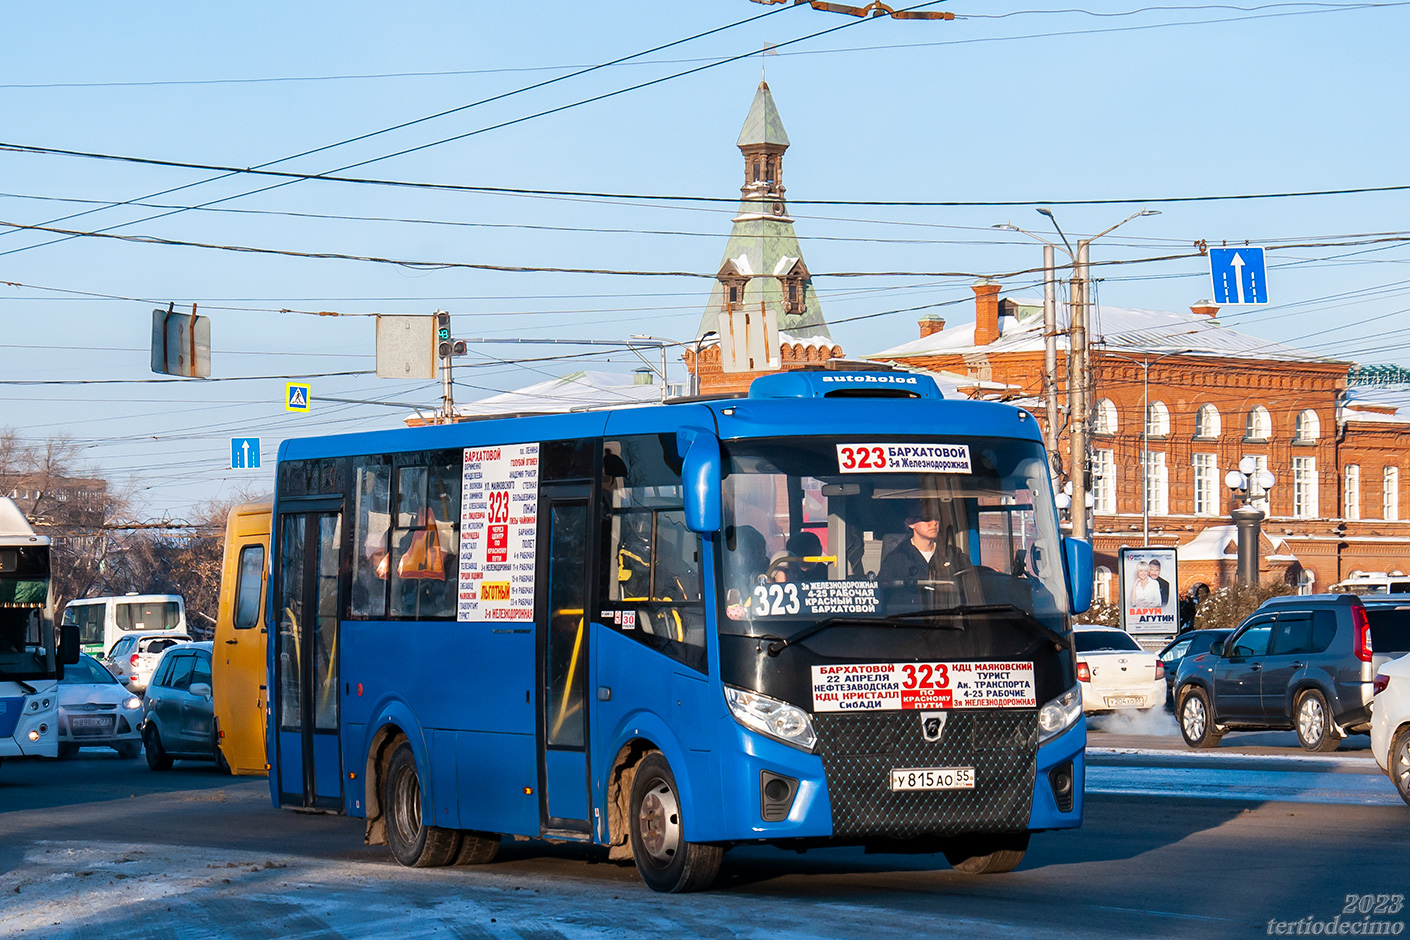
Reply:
x=859, y=751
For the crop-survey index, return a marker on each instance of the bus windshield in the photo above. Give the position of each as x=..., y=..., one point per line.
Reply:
x=24, y=594
x=847, y=529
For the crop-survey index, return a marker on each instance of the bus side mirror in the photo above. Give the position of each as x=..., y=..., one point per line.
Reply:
x=1079, y=572
x=700, y=472
x=69, y=646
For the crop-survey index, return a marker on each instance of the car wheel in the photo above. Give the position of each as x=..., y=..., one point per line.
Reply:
x=1315, y=731
x=664, y=859
x=413, y=843
x=128, y=749
x=68, y=751
x=987, y=855
x=1197, y=718
x=157, y=757
x=477, y=848
x=1400, y=762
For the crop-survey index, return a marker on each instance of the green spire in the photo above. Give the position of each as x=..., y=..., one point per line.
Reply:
x=763, y=125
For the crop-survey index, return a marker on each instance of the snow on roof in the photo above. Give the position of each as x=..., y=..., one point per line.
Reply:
x=574, y=392
x=1221, y=542
x=1114, y=329
x=1376, y=403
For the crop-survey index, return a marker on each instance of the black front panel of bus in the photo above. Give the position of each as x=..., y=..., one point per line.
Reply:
x=745, y=661
x=859, y=749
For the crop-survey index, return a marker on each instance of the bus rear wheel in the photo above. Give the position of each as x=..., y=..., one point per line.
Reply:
x=664, y=859
x=988, y=854
x=413, y=843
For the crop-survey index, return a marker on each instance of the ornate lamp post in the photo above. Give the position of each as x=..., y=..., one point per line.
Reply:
x=1248, y=518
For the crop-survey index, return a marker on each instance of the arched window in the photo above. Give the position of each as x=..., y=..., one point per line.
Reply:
x=1207, y=423
x=1308, y=427
x=1306, y=580
x=1157, y=419
x=1103, y=584
x=1260, y=424
x=1104, y=417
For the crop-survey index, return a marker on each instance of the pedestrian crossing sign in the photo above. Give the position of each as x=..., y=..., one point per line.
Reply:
x=296, y=398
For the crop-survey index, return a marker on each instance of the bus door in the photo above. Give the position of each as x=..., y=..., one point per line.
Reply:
x=563, y=628
x=305, y=663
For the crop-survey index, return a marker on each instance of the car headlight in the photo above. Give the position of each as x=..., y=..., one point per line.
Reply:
x=779, y=720
x=1060, y=714
x=132, y=704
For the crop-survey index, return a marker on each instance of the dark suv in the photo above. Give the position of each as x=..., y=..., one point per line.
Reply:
x=1305, y=663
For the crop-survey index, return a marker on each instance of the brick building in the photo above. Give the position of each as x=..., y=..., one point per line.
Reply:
x=1178, y=400
x=763, y=298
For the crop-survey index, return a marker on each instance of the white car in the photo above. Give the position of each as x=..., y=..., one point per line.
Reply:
x=1115, y=672
x=96, y=711
x=1390, y=723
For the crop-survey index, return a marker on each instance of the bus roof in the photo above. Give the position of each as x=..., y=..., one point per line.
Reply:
x=793, y=404
x=14, y=527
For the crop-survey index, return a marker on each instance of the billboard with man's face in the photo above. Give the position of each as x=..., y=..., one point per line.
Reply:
x=1150, y=600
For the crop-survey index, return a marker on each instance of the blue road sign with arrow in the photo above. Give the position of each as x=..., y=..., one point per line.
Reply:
x=244, y=453
x=1238, y=275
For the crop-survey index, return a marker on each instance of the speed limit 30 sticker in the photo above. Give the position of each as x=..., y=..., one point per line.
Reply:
x=898, y=686
x=903, y=458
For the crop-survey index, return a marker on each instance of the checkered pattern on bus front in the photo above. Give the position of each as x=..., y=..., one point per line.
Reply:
x=859, y=751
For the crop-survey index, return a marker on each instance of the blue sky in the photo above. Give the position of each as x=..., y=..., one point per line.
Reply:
x=1021, y=102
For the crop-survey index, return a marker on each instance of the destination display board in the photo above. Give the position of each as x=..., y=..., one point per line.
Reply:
x=904, y=686
x=499, y=498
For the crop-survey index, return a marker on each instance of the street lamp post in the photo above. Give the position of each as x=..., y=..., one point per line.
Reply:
x=1079, y=375
x=695, y=378
x=1248, y=518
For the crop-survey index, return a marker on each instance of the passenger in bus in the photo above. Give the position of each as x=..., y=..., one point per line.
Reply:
x=800, y=560
x=748, y=556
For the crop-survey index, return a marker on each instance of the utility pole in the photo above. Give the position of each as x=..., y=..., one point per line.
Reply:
x=1050, y=357
x=1078, y=381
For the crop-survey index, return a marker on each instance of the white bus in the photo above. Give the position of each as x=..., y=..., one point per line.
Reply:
x=102, y=621
x=30, y=660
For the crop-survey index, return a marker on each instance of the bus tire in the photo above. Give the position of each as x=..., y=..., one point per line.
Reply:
x=987, y=854
x=413, y=843
x=157, y=757
x=665, y=861
x=477, y=848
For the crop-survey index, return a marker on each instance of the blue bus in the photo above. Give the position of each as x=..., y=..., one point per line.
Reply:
x=833, y=611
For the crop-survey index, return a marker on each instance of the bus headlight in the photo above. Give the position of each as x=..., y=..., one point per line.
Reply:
x=1060, y=714
x=779, y=720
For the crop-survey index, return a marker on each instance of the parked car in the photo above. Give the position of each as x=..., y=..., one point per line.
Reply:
x=1115, y=671
x=179, y=716
x=96, y=711
x=133, y=657
x=1189, y=643
x=1305, y=663
x=1390, y=723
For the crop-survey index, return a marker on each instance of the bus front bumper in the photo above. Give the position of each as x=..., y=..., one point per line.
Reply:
x=842, y=790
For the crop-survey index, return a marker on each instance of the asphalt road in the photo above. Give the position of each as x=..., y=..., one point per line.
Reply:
x=100, y=847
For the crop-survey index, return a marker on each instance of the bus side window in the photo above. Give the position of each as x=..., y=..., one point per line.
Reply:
x=651, y=570
x=372, y=487
x=247, y=584
x=425, y=537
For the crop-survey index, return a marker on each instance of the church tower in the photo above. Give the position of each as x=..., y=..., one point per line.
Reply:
x=763, y=311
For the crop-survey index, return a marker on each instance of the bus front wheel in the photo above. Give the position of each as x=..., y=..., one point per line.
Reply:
x=987, y=855
x=665, y=860
x=413, y=843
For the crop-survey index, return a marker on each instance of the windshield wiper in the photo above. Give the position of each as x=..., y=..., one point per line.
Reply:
x=932, y=618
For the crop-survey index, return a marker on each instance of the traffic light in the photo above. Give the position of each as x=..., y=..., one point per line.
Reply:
x=444, y=346
x=457, y=347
